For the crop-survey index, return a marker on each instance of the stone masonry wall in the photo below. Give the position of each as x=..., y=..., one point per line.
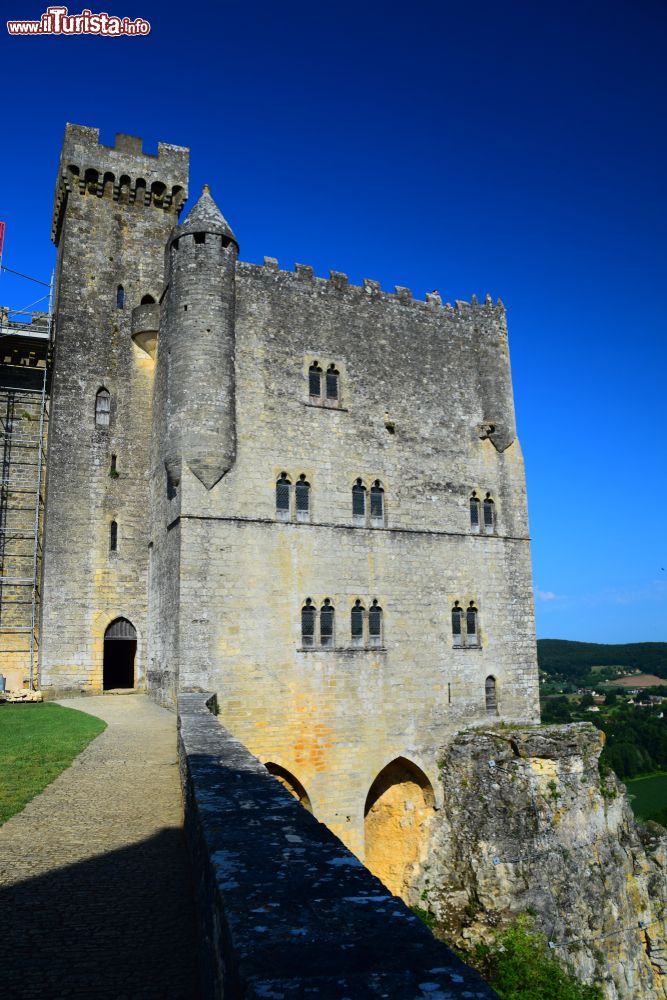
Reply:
x=416, y=413
x=285, y=910
x=164, y=584
x=114, y=208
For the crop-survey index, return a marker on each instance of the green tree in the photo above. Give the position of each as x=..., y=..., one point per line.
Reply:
x=575, y=659
x=556, y=710
x=520, y=966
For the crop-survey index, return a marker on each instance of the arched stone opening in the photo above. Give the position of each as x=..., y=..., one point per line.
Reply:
x=397, y=819
x=120, y=647
x=292, y=784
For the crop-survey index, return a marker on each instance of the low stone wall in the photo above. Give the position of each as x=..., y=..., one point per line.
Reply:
x=285, y=910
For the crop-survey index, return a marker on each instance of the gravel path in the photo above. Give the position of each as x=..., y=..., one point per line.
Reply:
x=95, y=897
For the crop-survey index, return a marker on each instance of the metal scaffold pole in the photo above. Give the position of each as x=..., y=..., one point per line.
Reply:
x=34, y=623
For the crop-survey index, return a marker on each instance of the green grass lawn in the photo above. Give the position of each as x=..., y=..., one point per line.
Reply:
x=37, y=742
x=649, y=796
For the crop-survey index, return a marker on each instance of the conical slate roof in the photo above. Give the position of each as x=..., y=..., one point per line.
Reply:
x=205, y=217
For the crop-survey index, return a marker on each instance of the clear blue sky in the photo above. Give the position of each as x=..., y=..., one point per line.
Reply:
x=517, y=148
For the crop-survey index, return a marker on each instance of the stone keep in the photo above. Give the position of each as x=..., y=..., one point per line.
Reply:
x=113, y=211
x=214, y=403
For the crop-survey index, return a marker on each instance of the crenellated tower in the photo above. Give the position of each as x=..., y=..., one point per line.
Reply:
x=114, y=209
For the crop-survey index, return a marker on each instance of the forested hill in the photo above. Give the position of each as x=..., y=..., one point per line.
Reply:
x=574, y=659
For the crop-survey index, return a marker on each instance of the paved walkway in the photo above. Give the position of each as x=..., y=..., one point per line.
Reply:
x=95, y=896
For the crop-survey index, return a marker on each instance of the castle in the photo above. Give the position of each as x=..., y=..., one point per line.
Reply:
x=304, y=496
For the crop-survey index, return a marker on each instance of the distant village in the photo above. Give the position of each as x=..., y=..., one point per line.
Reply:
x=608, y=686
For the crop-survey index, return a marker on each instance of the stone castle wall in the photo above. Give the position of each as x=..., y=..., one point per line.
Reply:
x=114, y=209
x=284, y=909
x=387, y=744
x=211, y=580
x=415, y=384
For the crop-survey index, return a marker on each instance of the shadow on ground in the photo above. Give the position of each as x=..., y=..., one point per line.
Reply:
x=119, y=926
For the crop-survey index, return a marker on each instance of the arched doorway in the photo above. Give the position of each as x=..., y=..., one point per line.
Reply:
x=397, y=819
x=292, y=784
x=120, y=646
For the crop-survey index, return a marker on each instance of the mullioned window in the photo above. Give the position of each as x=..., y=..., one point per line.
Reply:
x=465, y=625
x=368, y=503
x=302, y=498
x=319, y=629
x=482, y=515
x=324, y=386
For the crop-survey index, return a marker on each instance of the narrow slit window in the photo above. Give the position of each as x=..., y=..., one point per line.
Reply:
x=113, y=537
x=102, y=408
x=474, y=513
x=471, y=626
x=327, y=623
x=172, y=488
x=359, y=503
x=375, y=624
x=120, y=297
x=315, y=381
x=332, y=380
x=377, y=504
x=457, y=621
x=302, y=499
x=489, y=516
x=308, y=623
x=283, y=489
x=357, y=624
x=490, y=694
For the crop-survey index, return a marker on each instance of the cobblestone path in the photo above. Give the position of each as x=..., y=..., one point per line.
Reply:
x=95, y=896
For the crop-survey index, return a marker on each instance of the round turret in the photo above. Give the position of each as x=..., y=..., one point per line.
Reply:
x=205, y=217
x=145, y=325
x=199, y=328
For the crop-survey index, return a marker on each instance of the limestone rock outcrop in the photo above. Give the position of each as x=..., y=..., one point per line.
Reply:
x=529, y=825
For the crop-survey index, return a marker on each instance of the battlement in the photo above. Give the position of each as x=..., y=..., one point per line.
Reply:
x=338, y=282
x=122, y=172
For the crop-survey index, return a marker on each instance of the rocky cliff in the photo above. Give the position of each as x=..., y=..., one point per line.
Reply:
x=528, y=824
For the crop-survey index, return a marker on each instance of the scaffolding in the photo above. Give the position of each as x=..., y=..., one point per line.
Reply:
x=25, y=366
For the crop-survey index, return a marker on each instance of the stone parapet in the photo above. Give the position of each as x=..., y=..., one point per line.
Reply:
x=372, y=290
x=123, y=173
x=285, y=909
